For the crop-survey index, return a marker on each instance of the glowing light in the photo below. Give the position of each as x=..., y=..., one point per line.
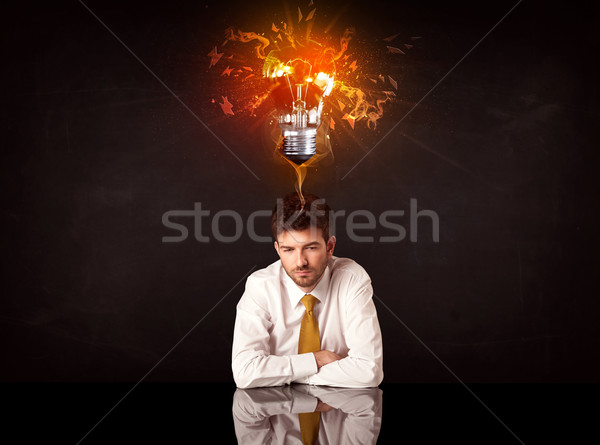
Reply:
x=308, y=77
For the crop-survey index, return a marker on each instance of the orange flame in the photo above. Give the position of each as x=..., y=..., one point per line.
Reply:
x=355, y=104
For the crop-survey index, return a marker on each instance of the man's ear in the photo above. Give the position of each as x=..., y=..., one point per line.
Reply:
x=276, y=245
x=331, y=246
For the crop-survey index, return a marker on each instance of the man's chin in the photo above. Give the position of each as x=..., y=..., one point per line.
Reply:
x=309, y=280
x=304, y=281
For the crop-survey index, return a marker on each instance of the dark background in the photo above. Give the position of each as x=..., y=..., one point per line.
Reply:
x=96, y=150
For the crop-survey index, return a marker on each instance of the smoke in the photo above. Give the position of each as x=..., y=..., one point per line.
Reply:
x=362, y=106
x=245, y=37
x=352, y=98
x=344, y=42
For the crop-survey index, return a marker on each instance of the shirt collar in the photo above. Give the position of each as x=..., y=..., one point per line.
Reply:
x=295, y=294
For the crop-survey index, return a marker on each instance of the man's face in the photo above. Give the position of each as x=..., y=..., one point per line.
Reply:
x=304, y=255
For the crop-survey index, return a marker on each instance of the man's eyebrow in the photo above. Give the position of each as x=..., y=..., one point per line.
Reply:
x=282, y=246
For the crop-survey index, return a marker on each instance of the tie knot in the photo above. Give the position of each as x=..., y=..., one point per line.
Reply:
x=309, y=302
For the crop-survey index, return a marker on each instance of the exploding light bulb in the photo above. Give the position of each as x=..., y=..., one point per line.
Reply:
x=302, y=79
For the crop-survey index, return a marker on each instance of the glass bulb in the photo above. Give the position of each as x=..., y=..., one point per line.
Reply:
x=303, y=77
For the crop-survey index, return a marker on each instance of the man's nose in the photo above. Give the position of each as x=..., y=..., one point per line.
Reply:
x=301, y=260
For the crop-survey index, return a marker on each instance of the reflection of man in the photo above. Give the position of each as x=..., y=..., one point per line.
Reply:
x=309, y=317
x=271, y=415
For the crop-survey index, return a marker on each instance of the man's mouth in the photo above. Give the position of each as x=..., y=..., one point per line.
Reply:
x=303, y=273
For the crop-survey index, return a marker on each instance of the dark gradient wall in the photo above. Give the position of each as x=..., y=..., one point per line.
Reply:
x=96, y=150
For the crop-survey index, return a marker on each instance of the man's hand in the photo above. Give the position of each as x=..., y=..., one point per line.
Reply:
x=325, y=357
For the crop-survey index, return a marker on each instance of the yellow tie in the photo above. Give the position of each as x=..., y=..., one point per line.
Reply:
x=309, y=340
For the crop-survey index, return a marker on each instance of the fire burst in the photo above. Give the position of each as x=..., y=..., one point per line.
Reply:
x=303, y=85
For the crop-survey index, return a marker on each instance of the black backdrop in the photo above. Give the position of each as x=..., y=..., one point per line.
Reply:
x=96, y=150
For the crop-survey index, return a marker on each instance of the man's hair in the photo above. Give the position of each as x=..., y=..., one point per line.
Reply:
x=289, y=214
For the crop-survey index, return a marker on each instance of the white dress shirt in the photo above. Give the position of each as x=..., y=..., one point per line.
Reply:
x=267, y=328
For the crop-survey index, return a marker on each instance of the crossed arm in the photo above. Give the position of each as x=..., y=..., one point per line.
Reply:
x=254, y=366
x=324, y=357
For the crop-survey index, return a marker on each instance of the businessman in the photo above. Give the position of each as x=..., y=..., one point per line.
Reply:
x=308, y=317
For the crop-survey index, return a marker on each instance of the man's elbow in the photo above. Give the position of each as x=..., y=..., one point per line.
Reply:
x=374, y=376
x=371, y=375
x=244, y=383
x=245, y=375
x=243, y=380
x=379, y=376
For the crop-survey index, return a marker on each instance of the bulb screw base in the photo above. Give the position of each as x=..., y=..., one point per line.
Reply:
x=299, y=145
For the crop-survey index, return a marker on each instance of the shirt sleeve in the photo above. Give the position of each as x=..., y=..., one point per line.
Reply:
x=363, y=367
x=252, y=363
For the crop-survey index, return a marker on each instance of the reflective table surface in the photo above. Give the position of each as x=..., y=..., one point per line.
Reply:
x=220, y=413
